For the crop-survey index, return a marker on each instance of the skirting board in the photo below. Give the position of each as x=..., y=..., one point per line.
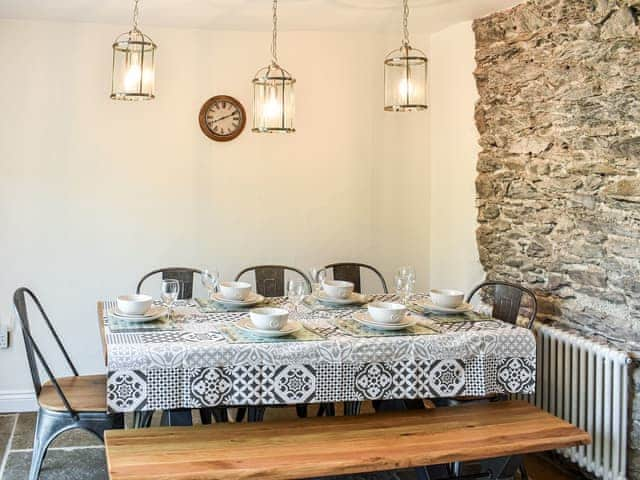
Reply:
x=17, y=401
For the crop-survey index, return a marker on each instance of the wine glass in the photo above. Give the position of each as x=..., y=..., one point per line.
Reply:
x=407, y=271
x=317, y=275
x=295, y=293
x=405, y=283
x=210, y=278
x=169, y=294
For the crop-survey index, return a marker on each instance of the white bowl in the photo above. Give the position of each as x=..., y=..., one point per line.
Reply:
x=338, y=288
x=387, y=312
x=447, y=298
x=235, y=290
x=134, y=304
x=267, y=318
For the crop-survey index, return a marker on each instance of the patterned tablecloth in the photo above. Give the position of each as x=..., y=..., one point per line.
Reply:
x=190, y=363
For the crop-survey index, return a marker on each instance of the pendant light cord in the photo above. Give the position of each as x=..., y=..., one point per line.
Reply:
x=405, y=22
x=274, y=38
x=136, y=14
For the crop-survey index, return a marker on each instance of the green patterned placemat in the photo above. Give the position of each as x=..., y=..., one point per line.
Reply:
x=235, y=335
x=210, y=306
x=122, y=326
x=454, y=318
x=351, y=327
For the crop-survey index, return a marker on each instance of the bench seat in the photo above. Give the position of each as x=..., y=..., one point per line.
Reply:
x=322, y=446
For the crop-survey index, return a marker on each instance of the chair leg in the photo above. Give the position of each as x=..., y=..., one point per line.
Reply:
x=256, y=414
x=48, y=427
x=352, y=409
x=240, y=414
x=142, y=419
x=301, y=411
x=220, y=414
x=205, y=416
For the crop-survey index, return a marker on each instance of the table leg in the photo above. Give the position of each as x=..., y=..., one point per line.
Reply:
x=176, y=417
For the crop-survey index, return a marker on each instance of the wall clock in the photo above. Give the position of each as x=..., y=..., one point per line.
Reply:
x=222, y=118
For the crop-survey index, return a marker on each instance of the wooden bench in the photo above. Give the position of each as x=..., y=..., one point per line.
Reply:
x=322, y=446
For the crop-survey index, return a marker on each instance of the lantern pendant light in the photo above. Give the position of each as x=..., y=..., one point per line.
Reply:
x=273, y=95
x=405, y=74
x=133, y=70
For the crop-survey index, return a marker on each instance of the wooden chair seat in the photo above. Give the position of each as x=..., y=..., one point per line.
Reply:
x=86, y=393
x=323, y=446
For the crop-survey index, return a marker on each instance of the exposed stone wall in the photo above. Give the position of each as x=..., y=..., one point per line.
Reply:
x=559, y=172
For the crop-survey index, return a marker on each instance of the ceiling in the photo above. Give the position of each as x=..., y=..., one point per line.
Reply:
x=341, y=15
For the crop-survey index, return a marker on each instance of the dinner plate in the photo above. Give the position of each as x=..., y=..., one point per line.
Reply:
x=152, y=314
x=365, y=319
x=252, y=299
x=428, y=305
x=354, y=299
x=290, y=327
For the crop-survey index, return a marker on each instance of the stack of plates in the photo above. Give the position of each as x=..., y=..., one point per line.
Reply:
x=429, y=306
x=152, y=314
x=354, y=299
x=250, y=301
x=365, y=319
x=246, y=325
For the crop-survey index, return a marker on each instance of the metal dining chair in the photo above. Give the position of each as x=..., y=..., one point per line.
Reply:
x=507, y=304
x=350, y=272
x=507, y=301
x=65, y=403
x=269, y=279
x=269, y=282
x=185, y=276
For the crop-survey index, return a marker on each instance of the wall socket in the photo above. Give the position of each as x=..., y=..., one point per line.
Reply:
x=4, y=336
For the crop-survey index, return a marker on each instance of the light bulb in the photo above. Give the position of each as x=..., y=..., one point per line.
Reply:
x=405, y=88
x=272, y=108
x=132, y=77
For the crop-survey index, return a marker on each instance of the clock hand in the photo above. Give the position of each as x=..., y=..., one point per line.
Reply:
x=222, y=118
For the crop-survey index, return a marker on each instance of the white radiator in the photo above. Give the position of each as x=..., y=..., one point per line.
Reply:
x=586, y=383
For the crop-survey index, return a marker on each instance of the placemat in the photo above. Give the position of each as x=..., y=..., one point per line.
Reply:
x=211, y=306
x=351, y=327
x=235, y=335
x=121, y=326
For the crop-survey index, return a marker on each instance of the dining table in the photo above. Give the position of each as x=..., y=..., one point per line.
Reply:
x=199, y=358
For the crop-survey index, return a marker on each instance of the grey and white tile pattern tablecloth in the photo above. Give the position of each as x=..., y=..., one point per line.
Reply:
x=189, y=363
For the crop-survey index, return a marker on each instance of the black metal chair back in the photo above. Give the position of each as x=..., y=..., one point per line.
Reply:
x=34, y=353
x=270, y=279
x=507, y=301
x=184, y=275
x=350, y=272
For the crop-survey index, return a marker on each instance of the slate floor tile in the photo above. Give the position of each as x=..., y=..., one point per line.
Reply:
x=23, y=437
x=76, y=464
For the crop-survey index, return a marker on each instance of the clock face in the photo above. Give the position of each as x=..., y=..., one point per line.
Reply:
x=222, y=118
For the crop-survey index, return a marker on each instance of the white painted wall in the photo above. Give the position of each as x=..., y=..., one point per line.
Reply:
x=94, y=193
x=453, y=154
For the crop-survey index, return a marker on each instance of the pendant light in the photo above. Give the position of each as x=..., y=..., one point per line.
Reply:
x=133, y=70
x=273, y=96
x=405, y=74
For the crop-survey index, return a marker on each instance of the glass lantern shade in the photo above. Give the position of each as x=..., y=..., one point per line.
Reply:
x=273, y=100
x=405, y=80
x=133, y=75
